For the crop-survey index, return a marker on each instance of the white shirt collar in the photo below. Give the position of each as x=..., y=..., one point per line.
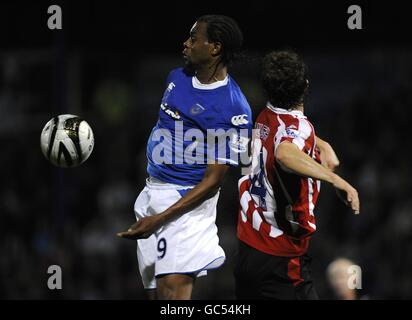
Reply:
x=294, y=112
x=198, y=85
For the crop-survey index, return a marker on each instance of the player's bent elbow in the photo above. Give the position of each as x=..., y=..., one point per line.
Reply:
x=213, y=186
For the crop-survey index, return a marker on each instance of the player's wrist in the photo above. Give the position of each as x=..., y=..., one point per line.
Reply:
x=334, y=179
x=171, y=213
x=165, y=216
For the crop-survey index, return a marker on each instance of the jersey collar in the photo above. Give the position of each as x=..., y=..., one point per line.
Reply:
x=297, y=113
x=198, y=85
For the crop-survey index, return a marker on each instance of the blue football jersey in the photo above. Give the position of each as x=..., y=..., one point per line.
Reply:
x=198, y=124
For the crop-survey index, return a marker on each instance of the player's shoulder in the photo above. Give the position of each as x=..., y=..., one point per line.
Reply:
x=286, y=115
x=238, y=101
x=177, y=72
x=288, y=118
x=179, y=75
x=298, y=122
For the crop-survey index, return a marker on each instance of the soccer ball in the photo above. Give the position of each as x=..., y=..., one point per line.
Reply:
x=67, y=141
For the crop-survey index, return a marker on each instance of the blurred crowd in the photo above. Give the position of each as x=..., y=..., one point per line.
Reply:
x=360, y=101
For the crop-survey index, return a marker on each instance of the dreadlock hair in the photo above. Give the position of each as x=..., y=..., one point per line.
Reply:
x=225, y=30
x=284, y=78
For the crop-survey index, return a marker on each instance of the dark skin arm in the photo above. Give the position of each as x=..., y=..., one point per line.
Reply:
x=207, y=188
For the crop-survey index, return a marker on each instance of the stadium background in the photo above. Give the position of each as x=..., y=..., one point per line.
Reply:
x=109, y=65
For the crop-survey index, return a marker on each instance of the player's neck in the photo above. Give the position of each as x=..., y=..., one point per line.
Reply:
x=211, y=73
x=299, y=107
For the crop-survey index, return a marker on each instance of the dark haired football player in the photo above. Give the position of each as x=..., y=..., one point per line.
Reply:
x=176, y=211
x=278, y=198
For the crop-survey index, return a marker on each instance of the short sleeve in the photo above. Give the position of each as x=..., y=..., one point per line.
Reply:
x=296, y=131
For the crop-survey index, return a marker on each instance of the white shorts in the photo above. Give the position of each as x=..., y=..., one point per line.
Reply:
x=188, y=244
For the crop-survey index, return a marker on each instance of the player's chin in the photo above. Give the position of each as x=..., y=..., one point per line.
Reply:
x=187, y=61
x=189, y=67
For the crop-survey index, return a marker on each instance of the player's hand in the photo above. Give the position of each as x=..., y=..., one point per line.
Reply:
x=143, y=228
x=348, y=194
x=328, y=157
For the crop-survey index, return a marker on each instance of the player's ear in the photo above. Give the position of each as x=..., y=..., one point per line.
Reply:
x=216, y=49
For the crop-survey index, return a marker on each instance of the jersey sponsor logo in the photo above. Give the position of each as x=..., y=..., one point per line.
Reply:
x=170, y=86
x=239, y=120
x=168, y=91
x=169, y=112
x=292, y=132
x=196, y=109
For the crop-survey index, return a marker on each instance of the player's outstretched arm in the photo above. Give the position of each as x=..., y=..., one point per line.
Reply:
x=328, y=156
x=207, y=188
x=291, y=157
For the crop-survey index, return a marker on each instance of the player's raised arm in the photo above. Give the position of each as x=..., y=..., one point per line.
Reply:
x=204, y=190
x=289, y=155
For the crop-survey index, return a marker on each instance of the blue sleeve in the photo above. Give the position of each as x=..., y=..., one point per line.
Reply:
x=170, y=76
x=169, y=84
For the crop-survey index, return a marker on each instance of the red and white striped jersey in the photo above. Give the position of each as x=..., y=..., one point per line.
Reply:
x=263, y=223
